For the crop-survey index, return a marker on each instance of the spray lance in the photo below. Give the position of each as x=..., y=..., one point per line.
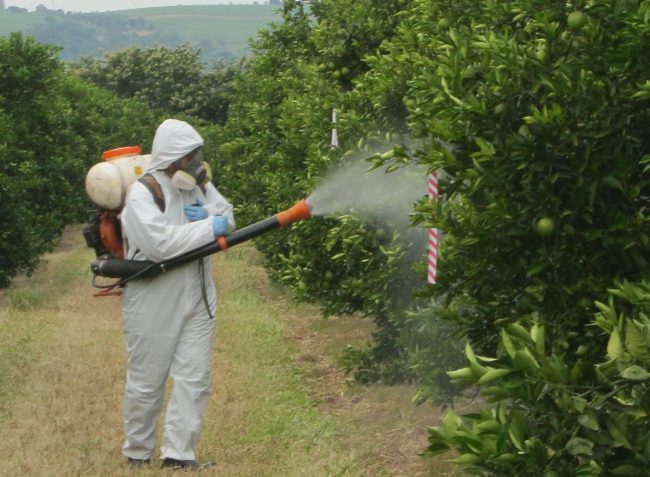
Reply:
x=107, y=184
x=130, y=269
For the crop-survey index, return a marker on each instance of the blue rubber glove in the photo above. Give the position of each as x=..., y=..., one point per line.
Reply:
x=219, y=225
x=195, y=212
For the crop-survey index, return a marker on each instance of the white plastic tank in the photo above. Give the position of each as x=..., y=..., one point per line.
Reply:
x=108, y=182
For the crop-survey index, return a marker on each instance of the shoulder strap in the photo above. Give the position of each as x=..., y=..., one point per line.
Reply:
x=151, y=183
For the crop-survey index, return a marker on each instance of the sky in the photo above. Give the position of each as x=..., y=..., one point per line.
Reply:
x=108, y=5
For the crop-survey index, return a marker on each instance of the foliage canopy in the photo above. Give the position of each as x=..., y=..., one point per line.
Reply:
x=53, y=128
x=538, y=117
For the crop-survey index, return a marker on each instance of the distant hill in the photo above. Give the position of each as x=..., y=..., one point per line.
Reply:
x=221, y=31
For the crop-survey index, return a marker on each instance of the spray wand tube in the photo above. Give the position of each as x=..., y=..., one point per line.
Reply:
x=130, y=269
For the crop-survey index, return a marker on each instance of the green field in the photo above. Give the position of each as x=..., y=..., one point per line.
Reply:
x=222, y=32
x=227, y=26
x=11, y=22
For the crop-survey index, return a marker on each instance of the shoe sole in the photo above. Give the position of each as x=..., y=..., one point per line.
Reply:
x=188, y=467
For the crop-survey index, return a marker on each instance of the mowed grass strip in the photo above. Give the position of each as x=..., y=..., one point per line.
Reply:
x=264, y=420
x=279, y=406
x=62, y=407
x=62, y=416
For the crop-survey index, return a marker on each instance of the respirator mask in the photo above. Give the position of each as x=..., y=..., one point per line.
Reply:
x=193, y=174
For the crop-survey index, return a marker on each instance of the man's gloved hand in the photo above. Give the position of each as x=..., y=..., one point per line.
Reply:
x=219, y=225
x=195, y=212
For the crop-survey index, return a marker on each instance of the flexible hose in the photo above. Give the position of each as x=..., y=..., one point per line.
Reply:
x=127, y=270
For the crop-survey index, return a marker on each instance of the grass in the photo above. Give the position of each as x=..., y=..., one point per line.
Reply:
x=280, y=405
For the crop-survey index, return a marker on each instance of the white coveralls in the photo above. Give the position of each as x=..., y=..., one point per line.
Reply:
x=167, y=325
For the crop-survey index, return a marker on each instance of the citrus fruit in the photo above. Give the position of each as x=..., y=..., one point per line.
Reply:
x=545, y=226
x=576, y=20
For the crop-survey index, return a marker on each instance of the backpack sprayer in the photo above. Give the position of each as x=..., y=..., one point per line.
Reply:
x=107, y=184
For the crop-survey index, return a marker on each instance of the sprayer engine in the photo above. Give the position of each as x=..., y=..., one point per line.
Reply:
x=104, y=234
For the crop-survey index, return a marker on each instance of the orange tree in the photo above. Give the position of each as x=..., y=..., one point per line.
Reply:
x=275, y=147
x=537, y=111
x=52, y=128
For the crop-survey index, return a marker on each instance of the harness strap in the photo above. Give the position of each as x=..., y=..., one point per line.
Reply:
x=151, y=183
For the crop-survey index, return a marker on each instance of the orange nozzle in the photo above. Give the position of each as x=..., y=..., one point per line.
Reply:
x=300, y=211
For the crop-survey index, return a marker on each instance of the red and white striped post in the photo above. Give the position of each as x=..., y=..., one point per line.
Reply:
x=433, y=233
x=335, y=136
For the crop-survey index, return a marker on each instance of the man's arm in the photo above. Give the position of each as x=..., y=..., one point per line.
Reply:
x=146, y=228
x=216, y=204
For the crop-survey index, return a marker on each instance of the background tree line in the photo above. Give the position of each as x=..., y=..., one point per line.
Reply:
x=534, y=109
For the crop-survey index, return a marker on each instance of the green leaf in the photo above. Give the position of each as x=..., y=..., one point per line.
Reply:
x=507, y=344
x=616, y=426
x=493, y=374
x=515, y=329
x=630, y=470
x=537, y=332
x=463, y=373
x=489, y=426
x=516, y=437
x=607, y=311
x=580, y=446
x=466, y=459
x=478, y=368
x=612, y=182
x=635, y=343
x=517, y=429
x=579, y=403
x=629, y=408
x=496, y=393
x=589, y=421
x=507, y=458
x=590, y=469
x=525, y=361
x=537, y=268
x=537, y=291
x=614, y=345
x=451, y=421
x=635, y=373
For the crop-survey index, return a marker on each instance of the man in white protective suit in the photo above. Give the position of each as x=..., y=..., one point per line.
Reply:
x=169, y=319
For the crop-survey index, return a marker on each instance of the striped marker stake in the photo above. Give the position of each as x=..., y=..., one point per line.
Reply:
x=433, y=233
x=335, y=136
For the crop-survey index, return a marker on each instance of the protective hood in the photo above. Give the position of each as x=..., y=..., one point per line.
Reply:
x=174, y=139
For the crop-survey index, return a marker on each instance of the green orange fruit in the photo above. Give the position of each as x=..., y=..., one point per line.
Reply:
x=545, y=227
x=576, y=20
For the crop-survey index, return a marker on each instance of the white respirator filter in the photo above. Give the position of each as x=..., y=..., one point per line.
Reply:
x=194, y=173
x=183, y=180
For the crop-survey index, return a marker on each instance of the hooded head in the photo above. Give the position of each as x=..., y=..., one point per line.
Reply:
x=174, y=139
